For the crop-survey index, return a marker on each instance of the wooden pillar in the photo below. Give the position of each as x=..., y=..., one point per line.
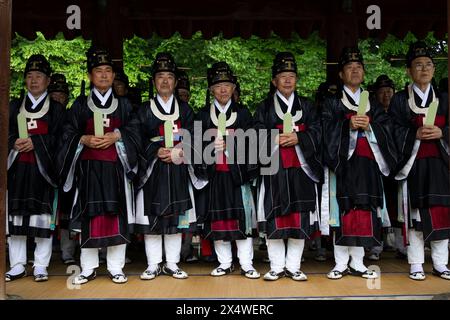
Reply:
x=5, y=48
x=342, y=30
x=108, y=29
x=448, y=51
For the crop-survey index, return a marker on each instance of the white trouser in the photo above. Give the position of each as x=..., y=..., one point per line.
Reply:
x=153, y=248
x=244, y=253
x=67, y=245
x=115, y=258
x=398, y=240
x=416, y=253
x=280, y=259
x=18, y=251
x=342, y=255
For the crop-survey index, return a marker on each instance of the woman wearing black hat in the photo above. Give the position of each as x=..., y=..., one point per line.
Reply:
x=420, y=115
x=288, y=204
x=165, y=204
x=32, y=177
x=98, y=158
x=230, y=212
x=358, y=150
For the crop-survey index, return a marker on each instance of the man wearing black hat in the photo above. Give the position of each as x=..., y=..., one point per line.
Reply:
x=165, y=204
x=230, y=210
x=420, y=116
x=358, y=150
x=183, y=90
x=384, y=91
x=121, y=82
x=58, y=89
x=35, y=123
x=287, y=208
x=99, y=159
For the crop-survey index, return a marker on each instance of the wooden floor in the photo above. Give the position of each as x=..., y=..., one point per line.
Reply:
x=393, y=284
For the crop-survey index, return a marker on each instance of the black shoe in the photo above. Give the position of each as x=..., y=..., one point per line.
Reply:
x=273, y=275
x=177, y=274
x=119, y=278
x=336, y=275
x=444, y=275
x=217, y=272
x=69, y=261
x=368, y=274
x=80, y=279
x=10, y=277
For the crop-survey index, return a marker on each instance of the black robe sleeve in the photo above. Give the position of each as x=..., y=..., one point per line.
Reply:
x=309, y=140
x=45, y=145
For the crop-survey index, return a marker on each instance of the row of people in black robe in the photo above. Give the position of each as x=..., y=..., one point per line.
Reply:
x=128, y=173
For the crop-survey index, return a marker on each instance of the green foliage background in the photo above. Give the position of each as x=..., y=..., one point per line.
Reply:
x=250, y=60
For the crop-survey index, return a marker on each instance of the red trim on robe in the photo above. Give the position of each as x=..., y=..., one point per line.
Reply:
x=27, y=157
x=438, y=122
x=357, y=223
x=222, y=165
x=30, y=157
x=428, y=149
x=221, y=162
x=206, y=248
x=440, y=217
x=161, y=131
x=289, y=158
x=104, y=226
x=108, y=154
x=225, y=225
x=363, y=148
x=42, y=128
x=289, y=221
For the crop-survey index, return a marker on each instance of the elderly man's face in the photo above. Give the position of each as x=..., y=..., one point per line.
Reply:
x=384, y=96
x=165, y=83
x=223, y=92
x=120, y=88
x=422, y=70
x=285, y=82
x=102, y=77
x=36, y=82
x=60, y=97
x=352, y=74
x=184, y=95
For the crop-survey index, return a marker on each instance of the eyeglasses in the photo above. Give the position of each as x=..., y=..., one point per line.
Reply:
x=428, y=66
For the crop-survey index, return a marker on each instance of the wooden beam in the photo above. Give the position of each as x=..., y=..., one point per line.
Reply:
x=5, y=48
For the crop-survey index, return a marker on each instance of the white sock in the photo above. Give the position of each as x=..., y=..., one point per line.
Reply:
x=40, y=270
x=114, y=272
x=152, y=267
x=86, y=272
x=247, y=267
x=417, y=267
x=225, y=265
x=440, y=268
x=172, y=266
x=340, y=267
x=17, y=269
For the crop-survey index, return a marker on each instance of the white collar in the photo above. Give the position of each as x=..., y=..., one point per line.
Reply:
x=422, y=95
x=102, y=98
x=355, y=96
x=289, y=102
x=35, y=102
x=165, y=105
x=222, y=109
